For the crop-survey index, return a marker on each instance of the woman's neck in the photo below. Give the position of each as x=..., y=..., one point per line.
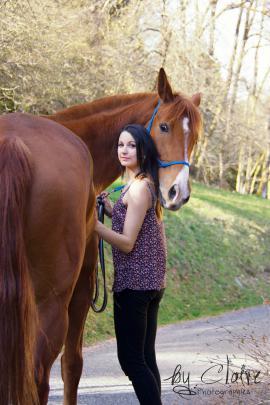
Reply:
x=130, y=174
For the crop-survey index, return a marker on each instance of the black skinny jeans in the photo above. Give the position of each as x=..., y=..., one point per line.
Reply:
x=135, y=321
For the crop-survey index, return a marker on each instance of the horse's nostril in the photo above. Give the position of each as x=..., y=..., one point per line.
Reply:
x=186, y=200
x=172, y=193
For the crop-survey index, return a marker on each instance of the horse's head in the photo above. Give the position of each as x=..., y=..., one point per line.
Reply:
x=175, y=131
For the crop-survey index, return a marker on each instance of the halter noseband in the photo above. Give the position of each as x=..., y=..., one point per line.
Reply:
x=164, y=164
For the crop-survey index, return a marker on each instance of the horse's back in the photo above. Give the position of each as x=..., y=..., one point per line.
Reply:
x=47, y=140
x=60, y=200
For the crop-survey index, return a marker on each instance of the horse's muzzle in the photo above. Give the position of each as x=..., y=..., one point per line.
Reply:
x=176, y=198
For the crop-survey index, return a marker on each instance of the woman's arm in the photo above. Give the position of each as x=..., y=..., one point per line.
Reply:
x=139, y=201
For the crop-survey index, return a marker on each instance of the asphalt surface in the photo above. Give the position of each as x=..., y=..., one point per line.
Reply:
x=214, y=360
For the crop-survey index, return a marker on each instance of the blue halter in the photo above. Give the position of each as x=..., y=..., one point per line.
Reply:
x=164, y=164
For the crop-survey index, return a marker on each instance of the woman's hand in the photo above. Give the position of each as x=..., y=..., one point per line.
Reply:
x=107, y=203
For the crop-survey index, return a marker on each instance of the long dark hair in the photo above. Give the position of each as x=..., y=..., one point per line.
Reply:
x=147, y=157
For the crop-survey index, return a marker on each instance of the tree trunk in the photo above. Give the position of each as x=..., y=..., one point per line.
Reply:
x=266, y=184
x=201, y=157
x=255, y=172
x=226, y=96
x=248, y=170
x=183, y=20
x=213, y=6
x=264, y=188
x=240, y=177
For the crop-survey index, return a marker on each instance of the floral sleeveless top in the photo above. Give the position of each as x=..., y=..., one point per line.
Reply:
x=144, y=267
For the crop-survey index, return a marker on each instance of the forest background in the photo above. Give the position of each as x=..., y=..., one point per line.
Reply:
x=56, y=53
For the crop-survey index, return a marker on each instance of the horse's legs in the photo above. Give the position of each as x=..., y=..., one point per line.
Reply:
x=54, y=325
x=72, y=361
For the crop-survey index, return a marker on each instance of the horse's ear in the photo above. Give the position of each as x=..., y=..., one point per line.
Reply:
x=164, y=88
x=196, y=99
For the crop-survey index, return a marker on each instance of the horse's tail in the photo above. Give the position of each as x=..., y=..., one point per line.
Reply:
x=17, y=306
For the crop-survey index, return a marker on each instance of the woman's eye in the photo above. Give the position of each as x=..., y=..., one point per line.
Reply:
x=164, y=127
x=129, y=145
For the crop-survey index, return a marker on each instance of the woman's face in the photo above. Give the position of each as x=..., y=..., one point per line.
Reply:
x=127, y=151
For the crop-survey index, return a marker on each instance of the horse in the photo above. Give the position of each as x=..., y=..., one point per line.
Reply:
x=47, y=203
x=175, y=128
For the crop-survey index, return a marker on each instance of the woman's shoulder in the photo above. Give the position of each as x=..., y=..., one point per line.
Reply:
x=142, y=186
x=143, y=189
x=138, y=188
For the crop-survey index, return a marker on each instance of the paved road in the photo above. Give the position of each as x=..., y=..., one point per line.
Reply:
x=225, y=343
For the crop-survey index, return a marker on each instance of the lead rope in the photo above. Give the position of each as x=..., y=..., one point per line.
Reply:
x=101, y=210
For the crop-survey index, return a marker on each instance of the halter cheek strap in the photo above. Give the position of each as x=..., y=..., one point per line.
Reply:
x=152, y=118
x=160, y=163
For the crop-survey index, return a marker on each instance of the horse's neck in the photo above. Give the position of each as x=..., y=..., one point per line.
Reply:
x=100, y=129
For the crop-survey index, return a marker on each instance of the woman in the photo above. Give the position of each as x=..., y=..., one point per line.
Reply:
x=139, y=256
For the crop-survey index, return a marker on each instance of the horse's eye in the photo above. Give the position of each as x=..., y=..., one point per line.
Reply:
x=164, y=127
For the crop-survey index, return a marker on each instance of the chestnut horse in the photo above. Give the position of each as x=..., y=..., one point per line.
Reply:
x=175, y=130
x=47, y=203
